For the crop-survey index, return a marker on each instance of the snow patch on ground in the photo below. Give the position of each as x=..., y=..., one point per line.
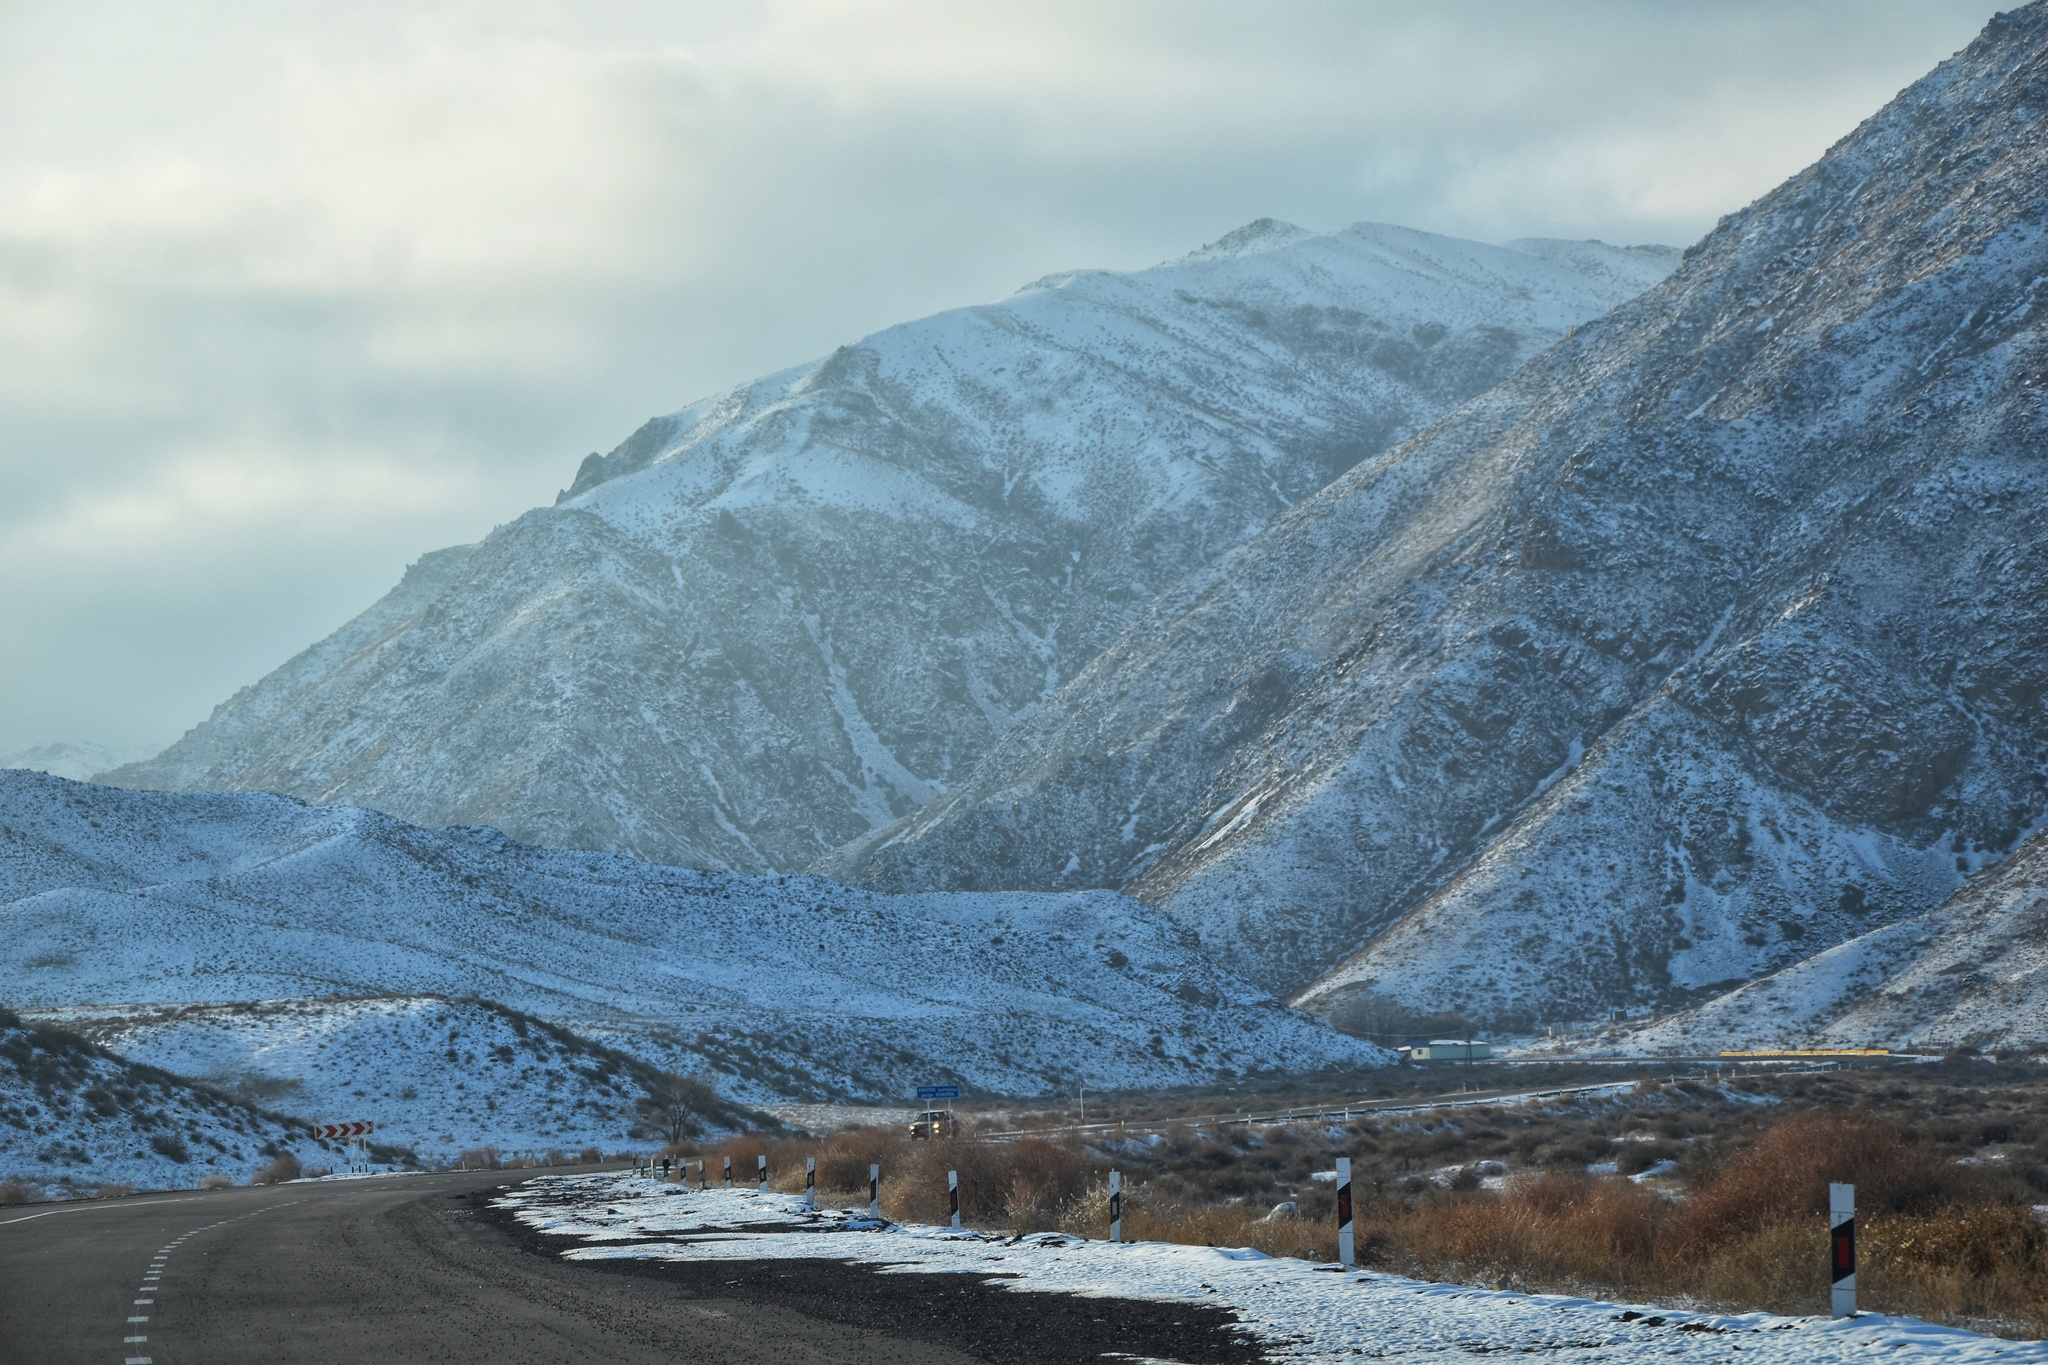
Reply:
x=1300, y=1311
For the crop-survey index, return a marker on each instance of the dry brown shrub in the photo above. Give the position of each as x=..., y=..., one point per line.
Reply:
x=14, y=1190
x=1560, y=1228
x=217, y=1181
x=844, y=1158
x=744, y=1149
x=1781, y=1266
x=1986, y=1262
x=286, y=1167
x=1023, y=1184
x=113, y=1190
x=1148, y=1218
x=1784, y=1175
x=1045, y=1177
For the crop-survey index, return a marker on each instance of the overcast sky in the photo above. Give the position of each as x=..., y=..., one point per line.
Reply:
x=291, y=293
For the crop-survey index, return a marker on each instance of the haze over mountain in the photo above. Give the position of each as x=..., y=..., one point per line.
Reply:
x=1710, y=638
x=781, y=618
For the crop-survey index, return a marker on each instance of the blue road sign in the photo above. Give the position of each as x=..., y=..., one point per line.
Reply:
x=938, y=1092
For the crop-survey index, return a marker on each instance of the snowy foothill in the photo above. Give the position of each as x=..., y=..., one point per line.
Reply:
x=437, y=1076
x=787, y=988
x=1297, y=1310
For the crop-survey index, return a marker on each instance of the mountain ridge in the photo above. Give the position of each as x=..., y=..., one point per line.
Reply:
x=1701, y=642
x=799, y=609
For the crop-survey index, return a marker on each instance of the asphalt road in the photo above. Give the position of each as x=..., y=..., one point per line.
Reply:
x=418, y=1269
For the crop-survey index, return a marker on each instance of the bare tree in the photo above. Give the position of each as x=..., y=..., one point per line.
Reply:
x=677, y=1104
x=1368, y=1014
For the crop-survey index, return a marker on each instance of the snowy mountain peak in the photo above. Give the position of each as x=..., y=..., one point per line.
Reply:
x=1261, y=234
x=781, y=618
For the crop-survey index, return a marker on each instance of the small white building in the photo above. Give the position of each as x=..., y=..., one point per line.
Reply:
x=1448, y=1050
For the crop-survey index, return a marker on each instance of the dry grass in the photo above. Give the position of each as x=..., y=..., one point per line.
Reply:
x=14, y=1190
x=217, y=1181
x=1933, y=1242
x=1732, y=1213
x=285, y=1167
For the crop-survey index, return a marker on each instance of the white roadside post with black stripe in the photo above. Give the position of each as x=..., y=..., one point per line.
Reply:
x=874, y=1191
x=1344, y=1247
x=1842, y=1248
x=1116, y=1206
x=811, y=1181
x=728, y=1172
x=953, y=1195
x=761, y=1171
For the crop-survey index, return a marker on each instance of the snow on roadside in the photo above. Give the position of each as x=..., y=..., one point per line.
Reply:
x=1299, y=1310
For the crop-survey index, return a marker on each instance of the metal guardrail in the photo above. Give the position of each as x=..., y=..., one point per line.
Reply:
x=1308, y=1113
x=1448, y=1100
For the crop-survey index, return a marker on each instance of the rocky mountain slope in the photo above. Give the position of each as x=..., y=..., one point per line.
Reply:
x=787, y=988
x=74, y=1117
x=1972, y=972
x=1711, y=638
x=786, y=615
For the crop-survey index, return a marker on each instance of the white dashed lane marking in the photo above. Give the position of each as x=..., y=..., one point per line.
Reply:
x=154, y=1274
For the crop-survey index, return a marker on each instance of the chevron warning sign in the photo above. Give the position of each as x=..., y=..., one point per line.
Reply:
x=344, y=1130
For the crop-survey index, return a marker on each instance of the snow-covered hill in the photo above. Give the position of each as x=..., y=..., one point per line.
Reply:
x=786, y=615
x=1709, y=639
x=1971, y=972
x=437, y=1076
x=790, y=988
x=74, y=1117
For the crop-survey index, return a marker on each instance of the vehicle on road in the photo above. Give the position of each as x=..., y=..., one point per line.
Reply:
x=933, y=1123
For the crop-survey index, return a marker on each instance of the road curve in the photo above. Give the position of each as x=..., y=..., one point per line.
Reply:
x=397, y=1270
x=418, y=1269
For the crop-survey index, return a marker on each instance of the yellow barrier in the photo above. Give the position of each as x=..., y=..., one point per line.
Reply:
x=1813, y=1052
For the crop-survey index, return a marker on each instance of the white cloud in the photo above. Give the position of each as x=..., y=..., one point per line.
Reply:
x=370, y=278
x=188, y=500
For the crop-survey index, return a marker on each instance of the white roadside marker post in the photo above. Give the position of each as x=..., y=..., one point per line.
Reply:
x=811, y=1181
x=703, y=1174
x=1344, y=1247
x=761, y=1170
x=728, y=1172
x=953, y=1195
x=1842, y=1248
x=874, y=1191
x=1116, y=1206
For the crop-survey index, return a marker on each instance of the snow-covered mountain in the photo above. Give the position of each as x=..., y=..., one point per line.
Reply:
x=74, y=1117
x=1711, y=638
x=1973, y=972
x=786, y=615
x=789, y=988
x=437, y=1076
